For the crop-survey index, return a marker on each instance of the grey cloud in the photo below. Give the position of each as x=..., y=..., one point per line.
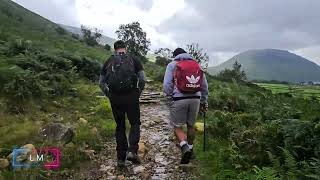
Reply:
x=144, y=5
x=59, y=11
x=234, y=25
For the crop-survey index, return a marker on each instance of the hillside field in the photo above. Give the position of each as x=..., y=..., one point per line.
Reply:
x=295, y=90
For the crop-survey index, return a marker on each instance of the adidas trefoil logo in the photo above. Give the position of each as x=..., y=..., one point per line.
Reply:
x=192, y=79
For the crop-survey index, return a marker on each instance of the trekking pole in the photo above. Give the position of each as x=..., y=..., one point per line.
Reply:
x=204, y=131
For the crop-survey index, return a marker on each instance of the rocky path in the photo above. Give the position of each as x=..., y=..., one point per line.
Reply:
x=157, y=149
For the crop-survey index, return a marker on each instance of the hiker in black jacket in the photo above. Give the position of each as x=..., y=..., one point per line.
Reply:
x=122, y=80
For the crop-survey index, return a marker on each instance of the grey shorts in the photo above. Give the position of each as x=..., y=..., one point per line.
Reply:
x=184, y=112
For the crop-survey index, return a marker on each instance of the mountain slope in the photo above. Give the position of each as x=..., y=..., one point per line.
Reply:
x=75, y=30
x=18, y=22
x=272, y=64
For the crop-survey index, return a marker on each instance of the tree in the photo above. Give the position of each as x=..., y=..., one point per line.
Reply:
x=60, y=30
x=90, y=36
x=135, y=38
x=235, y=73
x=164, y=52
x=163, y=57
x=75, y=36
x=198, y=54
x=107, y=47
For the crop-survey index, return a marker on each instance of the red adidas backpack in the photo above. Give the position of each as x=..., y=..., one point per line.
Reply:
x=188, y=76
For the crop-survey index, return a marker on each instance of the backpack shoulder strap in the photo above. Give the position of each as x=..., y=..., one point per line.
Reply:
x=130, y=59
x=110, y=61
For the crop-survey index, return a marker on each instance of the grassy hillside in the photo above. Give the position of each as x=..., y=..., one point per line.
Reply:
x=271, y=64
x=20, y=23
x=48, y=76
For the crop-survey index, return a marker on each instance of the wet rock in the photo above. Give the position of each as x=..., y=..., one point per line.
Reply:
x=57, y=133
x=138, y=169
x=94, y=131
x=157, y=120
x=89, y=153
x=142, y=149
x=56, y=104
x=105, y=168
x=158, y=158
x=160, y=170
x=159, y=176
x=121, y=177
x=83, y=121
x=4, y=163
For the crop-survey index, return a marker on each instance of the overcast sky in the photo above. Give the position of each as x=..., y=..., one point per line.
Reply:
x=222, y=27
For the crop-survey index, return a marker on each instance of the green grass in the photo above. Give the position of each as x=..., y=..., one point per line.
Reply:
x=17, y=129
x=296, y=90
x=216, y=162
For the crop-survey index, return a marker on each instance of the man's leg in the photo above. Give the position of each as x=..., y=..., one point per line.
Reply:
x=121, y=138
x=178, y=113
x=193, y=110
x=181, y=136
x=191, y=134
x=133, y=113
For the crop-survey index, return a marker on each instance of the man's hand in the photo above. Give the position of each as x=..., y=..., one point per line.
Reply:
x=106, y=91
x=203, y=107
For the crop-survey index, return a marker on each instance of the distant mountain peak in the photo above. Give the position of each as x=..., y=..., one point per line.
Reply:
x=77, y=30
x=273, y=64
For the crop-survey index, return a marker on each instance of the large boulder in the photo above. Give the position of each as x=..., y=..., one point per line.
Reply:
x=57, y=133
x=4, y=163
x=83, y=121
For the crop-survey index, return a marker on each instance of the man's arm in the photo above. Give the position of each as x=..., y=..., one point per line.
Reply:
x=140, y=73
x=142, y=80
x=103, y=81
x=168, y=80
x=204, y=90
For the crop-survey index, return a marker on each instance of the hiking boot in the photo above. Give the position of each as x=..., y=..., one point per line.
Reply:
x=133, y=157
x=121, y=163
x=193, y=156
x=186, y=154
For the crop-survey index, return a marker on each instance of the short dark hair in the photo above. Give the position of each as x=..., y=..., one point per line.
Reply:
x=178, y=51
x=119, y=44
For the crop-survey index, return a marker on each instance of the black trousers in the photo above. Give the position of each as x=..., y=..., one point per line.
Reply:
x=121, y=105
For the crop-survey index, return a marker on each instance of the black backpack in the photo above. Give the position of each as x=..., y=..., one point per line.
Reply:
x=121, y=75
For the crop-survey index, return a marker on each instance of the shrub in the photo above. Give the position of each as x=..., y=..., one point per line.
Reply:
x=4, y=36
x=19, y=46
x=236, y=73
x=22, y=88
x=107, y=47
x=85, y=66
x=162, y=61
x=60, y=30
x=75, y=36
x=90, y=68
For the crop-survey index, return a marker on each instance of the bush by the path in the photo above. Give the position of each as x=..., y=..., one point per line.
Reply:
x=260, y=133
